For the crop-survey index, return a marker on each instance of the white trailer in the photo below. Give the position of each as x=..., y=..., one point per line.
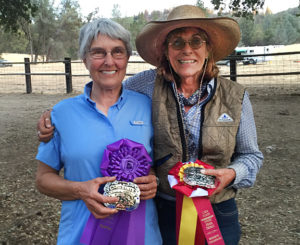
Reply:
x=259, y=50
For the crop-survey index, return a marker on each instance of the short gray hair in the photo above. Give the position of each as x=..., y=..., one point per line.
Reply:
x=91, y=30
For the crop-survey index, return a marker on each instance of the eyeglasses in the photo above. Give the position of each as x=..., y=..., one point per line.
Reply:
x=100, y=53
x=179, y=43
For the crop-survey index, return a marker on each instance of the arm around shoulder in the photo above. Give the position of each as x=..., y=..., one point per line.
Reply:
x=44, y=127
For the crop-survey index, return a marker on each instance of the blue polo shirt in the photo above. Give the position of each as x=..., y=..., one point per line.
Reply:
x=82, y=132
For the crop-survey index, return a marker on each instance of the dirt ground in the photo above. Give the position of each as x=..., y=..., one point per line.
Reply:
x=269, y=212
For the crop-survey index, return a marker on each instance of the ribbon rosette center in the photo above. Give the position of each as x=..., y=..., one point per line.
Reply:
x=126, y=160
x=129, y=164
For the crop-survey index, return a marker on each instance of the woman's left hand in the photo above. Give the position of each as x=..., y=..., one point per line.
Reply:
x=224, y=177
x=147, y=185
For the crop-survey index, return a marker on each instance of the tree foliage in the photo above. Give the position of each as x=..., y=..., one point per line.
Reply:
x=271, y=29
x=11, y=12
x=239, y=8
x=43, y=30
x=116, y=13
x=53, y=32
x=69, y=23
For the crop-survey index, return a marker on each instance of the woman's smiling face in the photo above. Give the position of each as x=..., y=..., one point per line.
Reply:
x=107, y=72
x=187, y=62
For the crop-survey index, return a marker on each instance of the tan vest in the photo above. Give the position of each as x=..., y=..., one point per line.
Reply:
x=217, y=138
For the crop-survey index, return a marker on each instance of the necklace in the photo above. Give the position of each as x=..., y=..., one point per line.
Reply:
x=192, y=100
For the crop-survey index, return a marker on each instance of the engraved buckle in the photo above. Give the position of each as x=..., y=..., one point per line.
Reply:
x=127, y=192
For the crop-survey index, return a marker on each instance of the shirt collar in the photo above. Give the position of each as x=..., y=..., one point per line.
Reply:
x=208, y=87
x=87, y=95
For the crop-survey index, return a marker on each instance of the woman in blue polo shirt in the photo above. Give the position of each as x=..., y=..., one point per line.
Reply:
x=85, y=125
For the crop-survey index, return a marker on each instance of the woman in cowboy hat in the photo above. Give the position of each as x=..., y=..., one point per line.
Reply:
x=195, y=113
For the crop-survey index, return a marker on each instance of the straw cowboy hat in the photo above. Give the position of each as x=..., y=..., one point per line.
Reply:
x=223, y=33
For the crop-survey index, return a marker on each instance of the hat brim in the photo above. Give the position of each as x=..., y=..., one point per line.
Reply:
x=223, y=33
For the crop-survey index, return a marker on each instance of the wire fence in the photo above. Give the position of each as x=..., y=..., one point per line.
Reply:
x=271, y=73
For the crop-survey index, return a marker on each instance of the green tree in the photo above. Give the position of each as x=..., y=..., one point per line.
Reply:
x=200, y=4
x=239, y=8
x=116, y=13
x=138, y=22
x=126, y=22
x=69, y=23
x=269, y=30
x=246, y=30
x=13, y=42
x=285, y=32
x=92, y=15
x=27, y=30
x=257, y=38
x=43, y=32
x=11, y=12
x=155, y=15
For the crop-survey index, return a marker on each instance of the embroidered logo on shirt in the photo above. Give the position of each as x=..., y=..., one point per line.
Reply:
x=225, y=118
x=138, y=122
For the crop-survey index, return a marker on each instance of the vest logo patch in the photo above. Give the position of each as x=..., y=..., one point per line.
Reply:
x=225, y=118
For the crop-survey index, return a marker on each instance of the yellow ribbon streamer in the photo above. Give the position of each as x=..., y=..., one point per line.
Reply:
x=188, y=222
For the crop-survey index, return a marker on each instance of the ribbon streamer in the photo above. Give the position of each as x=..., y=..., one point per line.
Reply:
x=195, y=218
x=127, y=228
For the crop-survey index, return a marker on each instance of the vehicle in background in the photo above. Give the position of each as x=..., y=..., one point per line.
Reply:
x=223, y=62
x=227, y=61
x=256, y=50
x=253, y=55
x=4, y=63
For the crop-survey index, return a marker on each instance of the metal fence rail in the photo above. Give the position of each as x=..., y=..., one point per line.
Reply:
x=275, y=70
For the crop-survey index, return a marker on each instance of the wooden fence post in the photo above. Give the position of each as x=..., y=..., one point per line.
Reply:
x=27, y=76
x=233, y=70
x=68, y=71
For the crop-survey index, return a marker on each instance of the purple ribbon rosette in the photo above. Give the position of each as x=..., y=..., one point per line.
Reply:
x=126, y=160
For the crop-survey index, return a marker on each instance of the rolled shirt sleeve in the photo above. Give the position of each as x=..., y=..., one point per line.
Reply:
x=247, y=158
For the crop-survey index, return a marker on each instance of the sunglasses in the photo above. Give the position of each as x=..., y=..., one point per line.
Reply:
x=179, y=43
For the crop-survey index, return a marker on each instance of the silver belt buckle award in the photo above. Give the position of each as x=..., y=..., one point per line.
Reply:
x=127, y=192
x=194, y=177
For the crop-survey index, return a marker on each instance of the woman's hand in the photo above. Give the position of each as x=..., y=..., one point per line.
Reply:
x=88, y=191
x=224, y=177
x=44, y=127
x=147, y=185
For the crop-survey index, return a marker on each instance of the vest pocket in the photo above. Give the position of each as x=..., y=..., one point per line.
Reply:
x=218, y=144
